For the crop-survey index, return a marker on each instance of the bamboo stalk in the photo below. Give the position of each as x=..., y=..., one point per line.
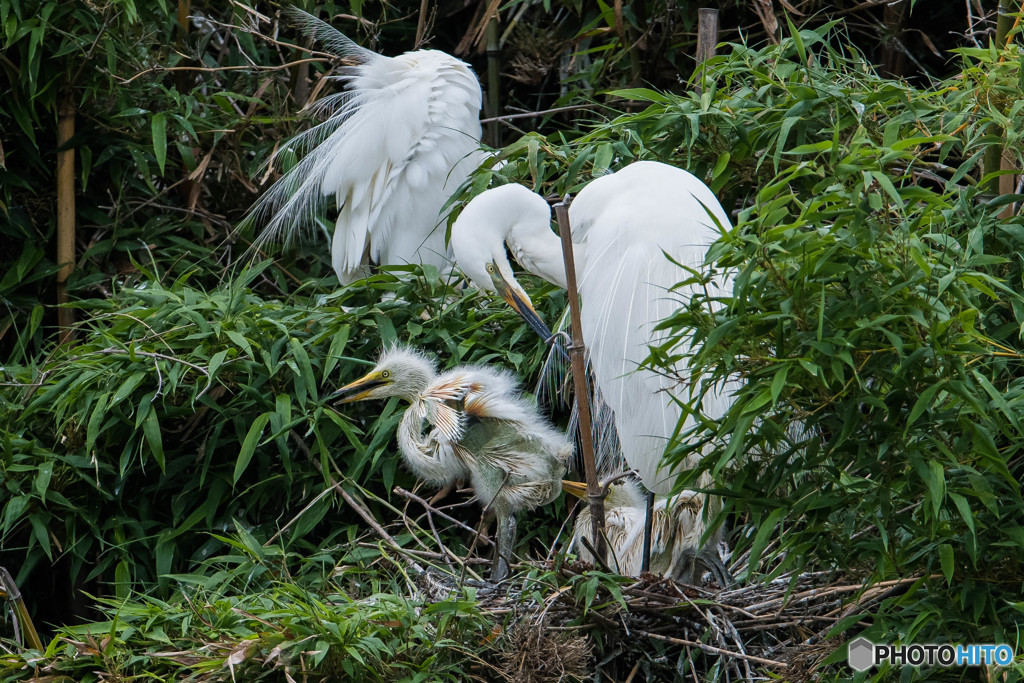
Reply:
x=493, y=77
x=65, y=212
x=181, y=78
x=9, y=590
x=579, y=377
x=995, y=157
x=707, y=39
x=1006, y=183
x=421, y=23
x=707, y=33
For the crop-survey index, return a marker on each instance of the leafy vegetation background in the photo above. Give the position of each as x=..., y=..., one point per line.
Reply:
x=175, y=468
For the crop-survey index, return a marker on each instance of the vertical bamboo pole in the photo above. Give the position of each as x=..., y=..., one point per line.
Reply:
x=645, y=557
x=707, y=39
x=995, y=156
x=707, y=33
x=579, y=379
x=301, y=90
x=493, y=78
x=181, y=78
x=421, y=24
x=892, y=54
x=1006, y=182
x=65, y=211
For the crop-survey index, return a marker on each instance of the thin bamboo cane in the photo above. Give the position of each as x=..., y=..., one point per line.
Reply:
x=579, y=377
x=65, y=212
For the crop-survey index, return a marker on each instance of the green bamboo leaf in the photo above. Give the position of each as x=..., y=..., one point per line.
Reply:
x=780, y=140
x=811, y=148
x=126, y=388
x=532, y=148
x=96, y=418
x=151, y=430
x=42, y=479
x=644, y=94
x=946, y=560
x=754, y=404
x=159, y=129
x=764, y=531
x=900, y=145
x=334, y=354
x=240, y=341
x=779, y=382
x=280, y=421
x=215, y=362
x=721, y=164
x=249, y=444
x=602, y=159
x=41, y=534
x=935, y=479
x=964, y=508
x=923, y=402
x=798, y=40
x=163, y=559
x=309, y=379
x=882, y=179
x=13, y=511
x=122, y=580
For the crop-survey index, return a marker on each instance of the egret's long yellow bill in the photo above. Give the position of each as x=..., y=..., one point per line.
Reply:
x=575, y=488
x=358, y=390
x=515, y=297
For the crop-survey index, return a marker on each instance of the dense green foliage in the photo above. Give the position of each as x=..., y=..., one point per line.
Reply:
x=347, y=624
x=877, y=321
x=182, y=411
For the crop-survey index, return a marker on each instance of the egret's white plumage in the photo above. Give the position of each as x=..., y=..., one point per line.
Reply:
x=630, y=230
x=470, y=422
x=635, y=226
x=394, y=147
x=636, y=233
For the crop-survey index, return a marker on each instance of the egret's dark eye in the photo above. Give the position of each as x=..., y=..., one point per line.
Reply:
x=385, y=374
x=490, y=267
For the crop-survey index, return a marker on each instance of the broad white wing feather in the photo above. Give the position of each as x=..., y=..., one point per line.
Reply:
x=391, y=154
x=633, y=218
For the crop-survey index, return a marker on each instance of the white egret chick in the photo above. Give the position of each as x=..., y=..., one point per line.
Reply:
x=471, y=421
x=676, y=529
x=394, y=147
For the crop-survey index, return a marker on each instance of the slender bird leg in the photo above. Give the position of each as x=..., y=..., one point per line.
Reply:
x=504, y=539
x=645, y=561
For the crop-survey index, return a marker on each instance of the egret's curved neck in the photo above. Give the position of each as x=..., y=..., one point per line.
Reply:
x=539, y=250
x=431, y=461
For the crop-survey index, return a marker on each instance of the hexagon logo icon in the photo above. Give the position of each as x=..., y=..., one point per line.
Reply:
x=861, y=655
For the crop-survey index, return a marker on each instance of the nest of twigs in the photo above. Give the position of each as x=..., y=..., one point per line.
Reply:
x=538, y=655
x=649, y=627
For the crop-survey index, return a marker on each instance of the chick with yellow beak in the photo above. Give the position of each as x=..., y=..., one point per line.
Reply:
x=470, y=422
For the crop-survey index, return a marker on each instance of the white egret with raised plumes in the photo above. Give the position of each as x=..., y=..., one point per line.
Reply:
x=395, y=145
